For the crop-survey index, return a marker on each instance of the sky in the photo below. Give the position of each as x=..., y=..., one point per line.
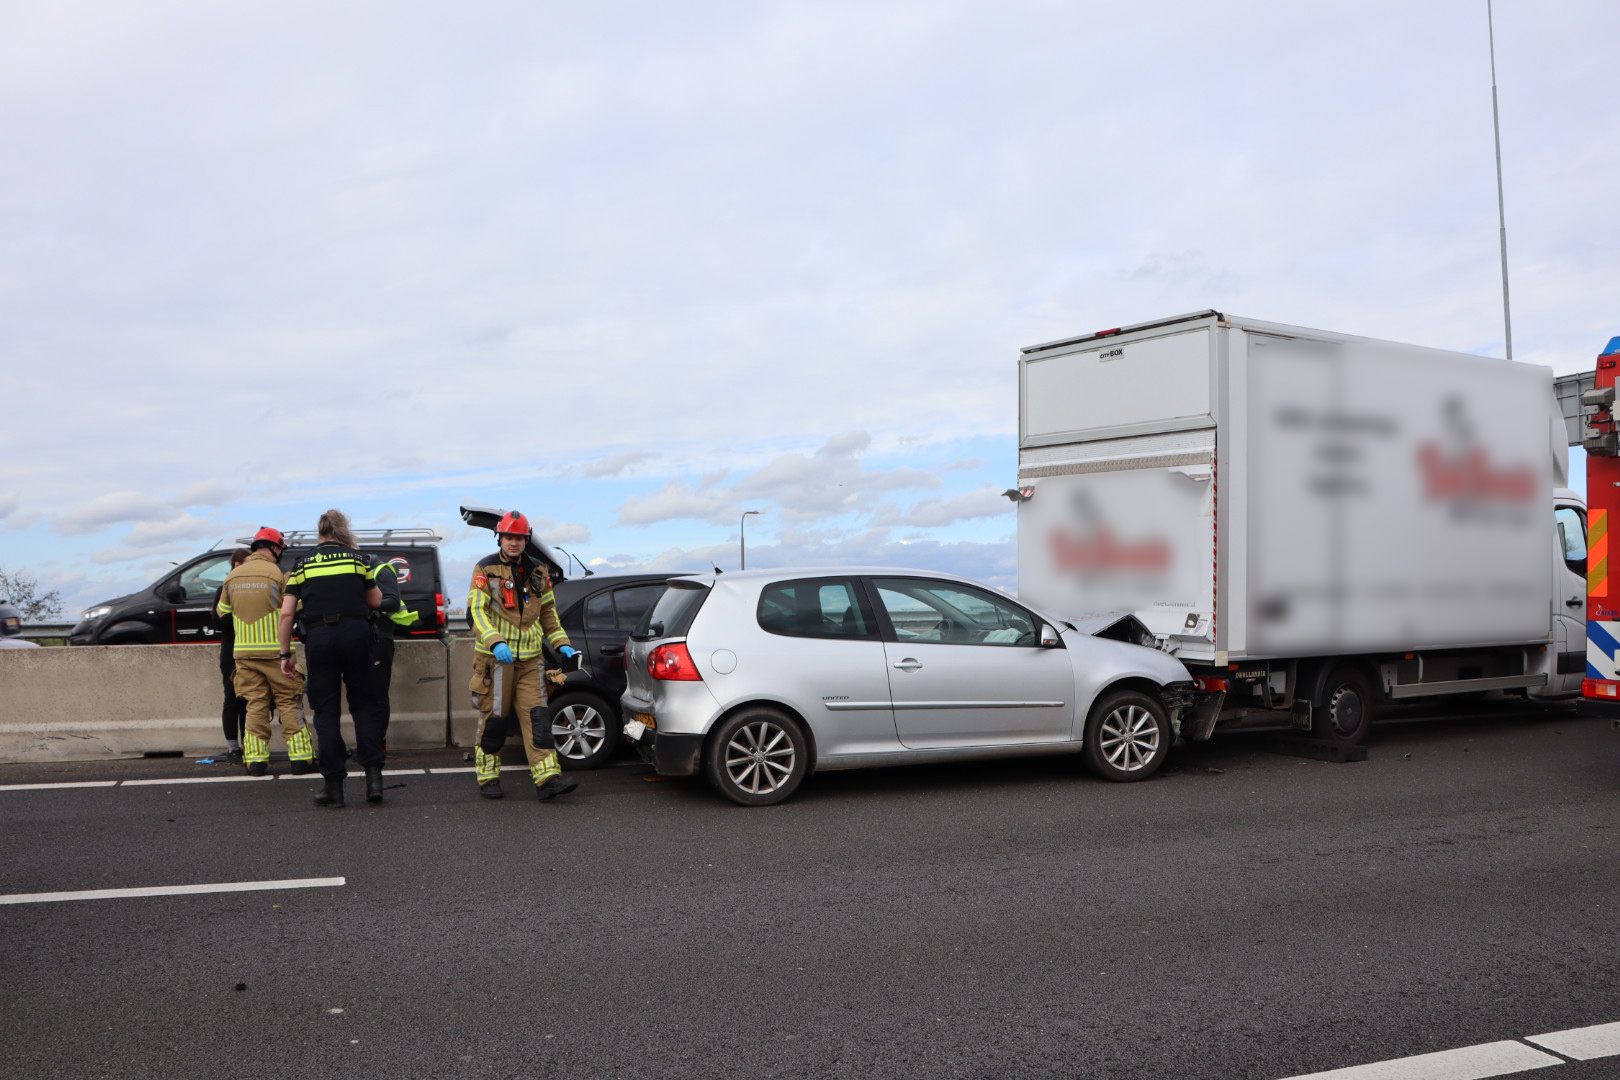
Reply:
x=634, y=268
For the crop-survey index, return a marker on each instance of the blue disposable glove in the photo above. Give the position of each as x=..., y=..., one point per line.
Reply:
x=503, y=653
x=567, y=652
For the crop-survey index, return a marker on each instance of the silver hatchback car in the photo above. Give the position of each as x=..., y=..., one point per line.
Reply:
x=759, y=678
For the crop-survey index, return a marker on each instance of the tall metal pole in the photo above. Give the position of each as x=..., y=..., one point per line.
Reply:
x=1501, y=212
x=742, y=538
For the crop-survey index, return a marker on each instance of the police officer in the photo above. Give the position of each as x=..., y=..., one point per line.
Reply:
x=11, y=628
x=514, y=614
x=391, y=613
x=252, y=597
x=335, y=588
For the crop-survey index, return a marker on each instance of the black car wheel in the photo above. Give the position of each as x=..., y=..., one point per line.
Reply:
x=585, y=729
x=1343, y=714
x=757, y=757
x=1127, y=737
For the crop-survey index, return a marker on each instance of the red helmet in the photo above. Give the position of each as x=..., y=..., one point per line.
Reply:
x=515, y=524
x=272, y=535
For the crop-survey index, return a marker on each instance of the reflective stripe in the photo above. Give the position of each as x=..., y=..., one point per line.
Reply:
x=1597, y=553
x=299, y=745
x=547, y=768
x=486, y=766
x=258, y=637
x=345, y=567
x=254, y=748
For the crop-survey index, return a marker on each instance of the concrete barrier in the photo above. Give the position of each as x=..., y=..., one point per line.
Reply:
x=112, y=701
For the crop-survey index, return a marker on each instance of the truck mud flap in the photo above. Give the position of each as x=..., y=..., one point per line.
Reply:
x=1198, y=723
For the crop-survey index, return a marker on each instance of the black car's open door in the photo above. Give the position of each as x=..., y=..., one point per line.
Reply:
x=485, y=517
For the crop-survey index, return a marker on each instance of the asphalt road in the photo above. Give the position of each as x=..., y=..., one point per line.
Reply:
x=1248, y=914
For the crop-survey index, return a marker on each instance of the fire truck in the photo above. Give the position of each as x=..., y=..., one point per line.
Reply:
x=1598, y=436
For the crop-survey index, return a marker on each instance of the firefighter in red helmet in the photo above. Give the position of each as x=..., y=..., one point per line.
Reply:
x=251, y=598
x=514, y=616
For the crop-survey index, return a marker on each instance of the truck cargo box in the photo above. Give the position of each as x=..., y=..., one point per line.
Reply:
x=1250, y=490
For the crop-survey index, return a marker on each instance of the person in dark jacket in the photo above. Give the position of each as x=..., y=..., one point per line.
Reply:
x=233, y=714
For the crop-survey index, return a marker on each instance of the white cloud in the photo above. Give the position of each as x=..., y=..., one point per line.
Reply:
x=984, y=502
x=616, y=464
x=208, y=493
x=111, y=509
x=149, y=534
x=800, y=487
x=10, y=503
x=561, y=532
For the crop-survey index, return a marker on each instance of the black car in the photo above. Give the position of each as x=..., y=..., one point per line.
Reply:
x=598, y=611
x=178, y=608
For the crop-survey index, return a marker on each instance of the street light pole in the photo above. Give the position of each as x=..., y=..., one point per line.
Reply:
x=1501, y=209
x=742, y=538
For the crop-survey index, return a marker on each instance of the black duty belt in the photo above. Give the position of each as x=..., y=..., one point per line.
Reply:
x=332, y=620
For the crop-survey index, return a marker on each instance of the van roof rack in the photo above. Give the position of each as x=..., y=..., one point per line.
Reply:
x=410, y=537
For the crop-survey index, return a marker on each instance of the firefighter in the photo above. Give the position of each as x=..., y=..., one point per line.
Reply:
x=514, y=616
x=252, y=598
x=335, y=588
x=391, y=613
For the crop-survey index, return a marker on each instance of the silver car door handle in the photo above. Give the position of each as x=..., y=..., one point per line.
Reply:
x=908, y=664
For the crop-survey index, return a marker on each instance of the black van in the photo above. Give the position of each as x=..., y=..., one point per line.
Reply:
x=179, y=607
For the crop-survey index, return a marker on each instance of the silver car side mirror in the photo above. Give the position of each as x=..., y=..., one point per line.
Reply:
x=1049, y=637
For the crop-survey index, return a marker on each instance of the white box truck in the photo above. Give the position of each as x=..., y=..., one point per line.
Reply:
x=1316, y=524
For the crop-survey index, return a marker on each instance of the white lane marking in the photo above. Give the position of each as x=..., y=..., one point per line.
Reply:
x=1582, y=1044
x=199, y=780
x=41, y=787
x=404, y=772
x=1464, y=1063
x=504, y=768
x=172, y=890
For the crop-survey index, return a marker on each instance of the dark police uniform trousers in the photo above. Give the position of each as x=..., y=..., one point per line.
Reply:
x=330, y=583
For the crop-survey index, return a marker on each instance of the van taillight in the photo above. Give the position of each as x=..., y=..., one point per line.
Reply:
x=672, y=663
x=439, y=608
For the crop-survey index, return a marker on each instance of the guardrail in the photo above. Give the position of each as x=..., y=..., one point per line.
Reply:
x=47, y=630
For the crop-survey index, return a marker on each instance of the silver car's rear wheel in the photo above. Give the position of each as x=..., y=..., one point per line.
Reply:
x=1127, y=737
x=757, y=757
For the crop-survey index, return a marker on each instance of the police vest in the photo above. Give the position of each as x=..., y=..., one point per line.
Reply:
x=332, y=581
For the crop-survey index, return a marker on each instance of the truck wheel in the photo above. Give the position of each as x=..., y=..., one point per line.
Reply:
x=1127, y=737
x=757, y=757
x=585, y=729
x=1344, y=712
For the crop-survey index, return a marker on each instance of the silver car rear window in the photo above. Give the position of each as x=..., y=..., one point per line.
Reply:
x=673, y=614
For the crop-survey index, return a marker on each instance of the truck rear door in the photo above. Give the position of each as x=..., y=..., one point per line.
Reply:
x=1116, y=458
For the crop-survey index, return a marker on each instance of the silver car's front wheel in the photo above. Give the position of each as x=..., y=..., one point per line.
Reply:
x=757, y=757
x=1127, y=737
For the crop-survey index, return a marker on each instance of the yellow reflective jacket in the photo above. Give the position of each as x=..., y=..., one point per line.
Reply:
x=251, y=596
x=522, y=613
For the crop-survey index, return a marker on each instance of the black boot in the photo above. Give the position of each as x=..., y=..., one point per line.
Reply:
x=557, y=785
x=331, y=794
x=373, y=783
